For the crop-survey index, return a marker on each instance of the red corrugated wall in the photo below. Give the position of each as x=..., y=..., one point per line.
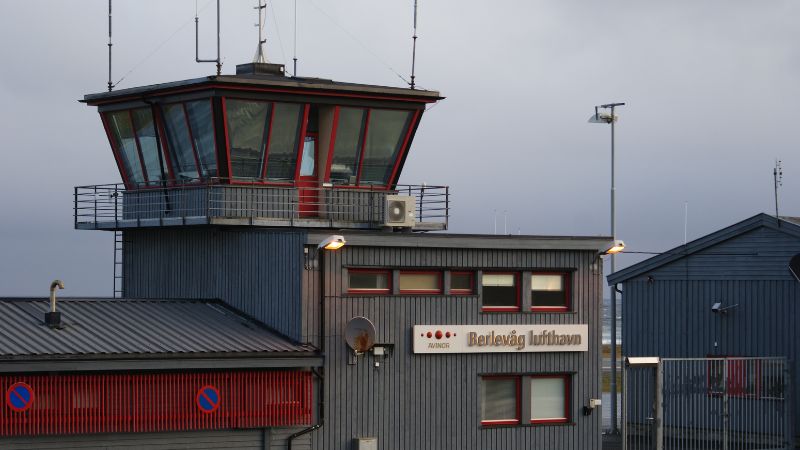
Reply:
x=114, y=403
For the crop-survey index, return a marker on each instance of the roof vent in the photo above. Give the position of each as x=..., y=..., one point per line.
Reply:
x=53, y=318
x=260, y=69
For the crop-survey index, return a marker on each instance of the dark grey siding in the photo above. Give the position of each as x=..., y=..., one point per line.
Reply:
x=243, y=440
x=668, y=316
x=432, y=401
x=256, y=271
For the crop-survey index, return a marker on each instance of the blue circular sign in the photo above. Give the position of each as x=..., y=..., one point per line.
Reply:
x=207, y=399
x=19, y=397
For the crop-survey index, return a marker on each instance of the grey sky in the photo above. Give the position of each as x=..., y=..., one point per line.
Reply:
x=711, y=88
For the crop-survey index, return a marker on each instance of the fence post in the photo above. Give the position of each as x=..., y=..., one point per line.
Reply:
x=788, y=404
x=725, y=405
x=625, y=369
x=659, y=405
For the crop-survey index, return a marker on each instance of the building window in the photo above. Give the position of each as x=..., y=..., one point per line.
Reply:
x=420, y=282
x=461, y=283
x=500, y=292
x=369, y=281
x=550, y=292
x=500, y=400
x=549, y=399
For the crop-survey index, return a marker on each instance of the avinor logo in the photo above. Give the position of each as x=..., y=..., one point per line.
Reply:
x=500, y=338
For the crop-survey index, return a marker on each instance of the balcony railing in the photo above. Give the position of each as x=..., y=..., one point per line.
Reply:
x=113, y=207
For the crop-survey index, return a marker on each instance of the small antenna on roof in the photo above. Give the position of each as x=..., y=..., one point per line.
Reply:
x=260, y=57
x=777, y=176
x=294, y=72
x=414, y=47
x=197, y=41
x=110, y=84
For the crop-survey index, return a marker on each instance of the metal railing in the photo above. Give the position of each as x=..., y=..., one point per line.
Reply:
x=708, y=403
x=112, y=206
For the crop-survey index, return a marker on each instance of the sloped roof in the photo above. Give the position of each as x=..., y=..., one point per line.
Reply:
x=131, y=328
x=788, y=225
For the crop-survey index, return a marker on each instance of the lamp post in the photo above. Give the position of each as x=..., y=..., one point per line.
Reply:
x=331, y=243
x=610, y=118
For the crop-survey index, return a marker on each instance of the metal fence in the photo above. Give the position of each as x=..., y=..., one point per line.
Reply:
x=112, y=206
x=707, y=403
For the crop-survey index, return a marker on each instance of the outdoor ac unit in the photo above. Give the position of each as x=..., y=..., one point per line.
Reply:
x=400, y=211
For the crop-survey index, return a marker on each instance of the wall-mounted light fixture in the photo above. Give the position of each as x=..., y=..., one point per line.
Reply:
x=617, y=246
x=717, y=308
x=333, y=242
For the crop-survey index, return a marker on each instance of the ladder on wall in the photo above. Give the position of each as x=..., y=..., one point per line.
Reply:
x=118, y=246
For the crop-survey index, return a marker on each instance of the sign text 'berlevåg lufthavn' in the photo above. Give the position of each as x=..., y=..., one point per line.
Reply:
x=500, y=338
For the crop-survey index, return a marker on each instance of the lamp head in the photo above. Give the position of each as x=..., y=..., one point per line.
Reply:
x=333, y=242
x=616, y=247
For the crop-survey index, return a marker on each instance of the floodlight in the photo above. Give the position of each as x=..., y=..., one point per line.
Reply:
x=333, y=242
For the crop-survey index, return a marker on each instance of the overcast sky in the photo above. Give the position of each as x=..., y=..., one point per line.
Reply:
x=711, y=90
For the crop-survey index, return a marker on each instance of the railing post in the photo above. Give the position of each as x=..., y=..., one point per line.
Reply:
x=75, y=205
x=116, y=206
x=725, y=405
x=95, y=205
x=624, y=409
x=659, y=405
x=788, y=403
x=447, y=207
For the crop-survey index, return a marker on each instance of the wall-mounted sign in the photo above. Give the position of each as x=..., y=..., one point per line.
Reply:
x=207, y=399
x=19, y=397
x=500, y=338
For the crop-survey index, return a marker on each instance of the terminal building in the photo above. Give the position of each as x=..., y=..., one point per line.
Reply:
x=277, y=288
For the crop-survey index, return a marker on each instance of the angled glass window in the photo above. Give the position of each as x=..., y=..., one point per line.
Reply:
x=549, y=399
x=550, y=291
x=121, y=129
x=500, y=292
x=179, y=140
x=500, y=400
x=201, y=126
x=347, y=146
x=282, y=149
x=155, y=162
x=248, y=130
x=385, y=135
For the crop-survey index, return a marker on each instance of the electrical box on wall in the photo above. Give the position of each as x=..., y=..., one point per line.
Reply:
x=367, y=443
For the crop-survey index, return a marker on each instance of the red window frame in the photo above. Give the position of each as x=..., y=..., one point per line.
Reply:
x=567, y=399
x=469, y=291
x=387, y=290
x=566, y=283
x=517, y=397
x=422, y=291
x=517, y=283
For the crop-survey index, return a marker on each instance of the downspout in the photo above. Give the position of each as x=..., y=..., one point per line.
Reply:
x=321, y=373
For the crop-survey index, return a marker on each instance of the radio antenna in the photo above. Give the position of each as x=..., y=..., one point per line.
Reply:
x=110, y=84
x=777, y=176
x=294, y=72
x=414, y=46
x=197, y=41
x=260, y=57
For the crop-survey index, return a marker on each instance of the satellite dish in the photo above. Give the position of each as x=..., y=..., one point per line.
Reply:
x=360, y=334
x=794, y=266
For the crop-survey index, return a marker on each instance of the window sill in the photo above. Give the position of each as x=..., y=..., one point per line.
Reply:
x=527, y=425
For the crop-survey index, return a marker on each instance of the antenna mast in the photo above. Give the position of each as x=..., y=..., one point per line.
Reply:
x=294, y=72
x=414, y=47
x=197, y=41
x=260, y=57
x=777, y=176
x=110, y=84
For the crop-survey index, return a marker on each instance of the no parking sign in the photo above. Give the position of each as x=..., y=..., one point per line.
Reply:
x=19, y=397
x=207, y=399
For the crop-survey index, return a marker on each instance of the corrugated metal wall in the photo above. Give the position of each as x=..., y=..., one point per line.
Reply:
x=668, y=316
x=244, y=440
x=256, y=271
x=431, y=401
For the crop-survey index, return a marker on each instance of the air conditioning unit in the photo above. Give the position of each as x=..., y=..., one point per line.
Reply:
x=400, y=211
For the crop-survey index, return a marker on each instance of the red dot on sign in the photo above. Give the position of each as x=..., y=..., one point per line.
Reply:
x=430, y=335
x=454, y=334
x=447, y=334
x=438, y=334
x=422, y=334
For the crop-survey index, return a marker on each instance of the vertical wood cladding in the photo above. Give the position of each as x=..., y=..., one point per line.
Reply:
x=256, y=271
x=432, y=401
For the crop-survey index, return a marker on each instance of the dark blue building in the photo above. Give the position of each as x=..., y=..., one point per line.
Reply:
x=729, y=294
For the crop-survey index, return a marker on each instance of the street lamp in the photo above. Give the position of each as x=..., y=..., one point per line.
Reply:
x=610, y=118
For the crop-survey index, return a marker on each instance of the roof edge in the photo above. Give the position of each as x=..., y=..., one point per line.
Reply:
x=757, y=221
